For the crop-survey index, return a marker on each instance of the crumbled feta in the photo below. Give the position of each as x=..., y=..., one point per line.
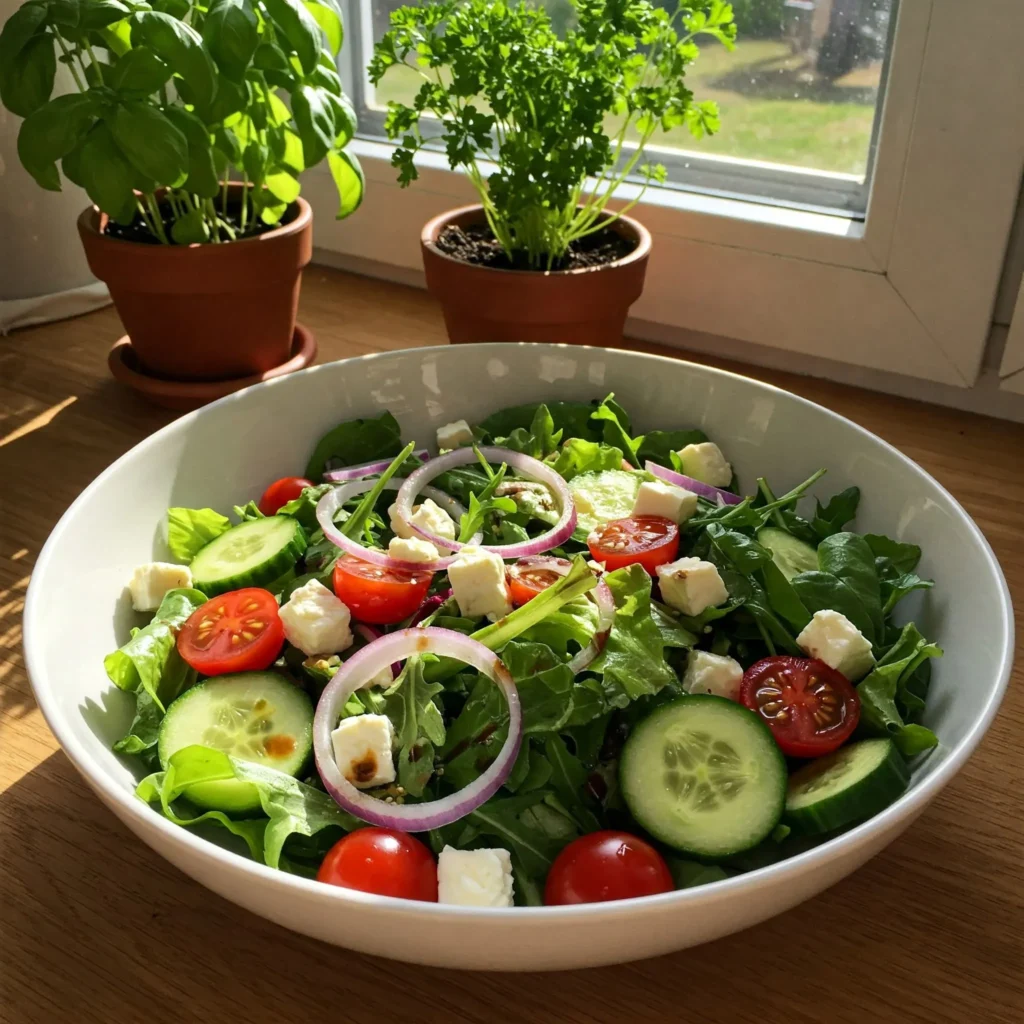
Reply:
x=705, y=462
x=834, y=639
x=712, y=673
x=691, y=585
x=662, y=499
x=474, y=878
x=362, y=750
x=478, y=582
x=414, y=549
x=316, y=621
x=429, y=516
x=454, y=435
x=151, y=581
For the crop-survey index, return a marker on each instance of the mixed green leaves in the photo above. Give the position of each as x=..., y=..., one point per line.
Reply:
x=175, y=97
x=191, y=529
x=505, y=86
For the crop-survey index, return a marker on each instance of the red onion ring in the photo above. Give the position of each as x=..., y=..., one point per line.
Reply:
x=681, y=480
x=365, y=664
x=429, y=606
x=368, y=468
x=602, y=597
x=533, y=468
x=328, y=505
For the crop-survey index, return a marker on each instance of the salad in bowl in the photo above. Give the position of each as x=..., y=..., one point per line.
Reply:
x=557, y=662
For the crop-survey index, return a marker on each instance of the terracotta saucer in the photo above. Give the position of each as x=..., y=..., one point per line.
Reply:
x=184, y=395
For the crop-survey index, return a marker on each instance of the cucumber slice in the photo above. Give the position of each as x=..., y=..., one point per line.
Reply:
x=602, y=497
x=254, y=716
x=837, y=790
x=792, y=556
x=704, y=775
x=252, y=554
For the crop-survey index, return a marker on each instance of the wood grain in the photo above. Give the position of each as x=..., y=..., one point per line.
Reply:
x=96, y=927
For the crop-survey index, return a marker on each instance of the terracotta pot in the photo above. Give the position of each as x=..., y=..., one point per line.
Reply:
x=205, y=312
x=578, y=307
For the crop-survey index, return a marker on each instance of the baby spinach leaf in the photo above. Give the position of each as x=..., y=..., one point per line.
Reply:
x=658, y=445
x=783, y=597
x=539, y=440
x=534, y=839
x=887, y=697
x=902, y=557
x=820, y=590
x=688, y=873
x=354, y=442
x=572, y=418
x=303, y=507
x=848, y=557
x=150, y=658
x=615, y=426
x=743, y=552
x=189, y=530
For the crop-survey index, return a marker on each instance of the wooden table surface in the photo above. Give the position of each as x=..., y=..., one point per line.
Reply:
x=96, y=927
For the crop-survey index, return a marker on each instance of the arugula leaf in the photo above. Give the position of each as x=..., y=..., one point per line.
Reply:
x=539, y=440
x=150, y=659
x=534, y=837
x=290, y=806
x=615, y=427
x=571, y=418
x=633, y=659
x=887, y=698
x=475, y=737
x=569, y=780
x=581, y=456
x=419, y=727
x=839, y=511
x=354, y=442
x=303, y=508
x=189, y=530
x=545, y=685
x=658, y=445
x=353, y=525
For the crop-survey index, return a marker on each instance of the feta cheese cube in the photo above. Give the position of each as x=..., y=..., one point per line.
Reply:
x=478, y=582
x=662, y=499
x=714, y=674
x=454, y=435
x=691, y=585
x=428, y=516
x=413, y=549
x=705, y=462
x=316, y=621
x=362, y=750
x=151, y=581
x=474, y=878
x=834, y=639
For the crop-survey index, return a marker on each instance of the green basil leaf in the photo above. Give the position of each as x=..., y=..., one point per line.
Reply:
x=151, y=142
x=51, y=132
x=328, y=17
x=314, y=118
x=107, y=176
x=98, y=14
x=26, y=82
x=202, y=173
x=139, y=70
x=231, y=33
x=299, y=27
x=181, y=46
x=348, y=180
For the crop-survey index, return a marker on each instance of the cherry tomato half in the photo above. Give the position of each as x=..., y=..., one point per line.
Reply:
x=240, y=631
x=280, y=492
x=605, y=866
x=382, y=861
x=648, y=540
x=378, y=594
x=530, y=575
x=810, y=708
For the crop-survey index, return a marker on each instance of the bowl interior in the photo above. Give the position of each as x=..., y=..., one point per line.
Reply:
x=79, y=609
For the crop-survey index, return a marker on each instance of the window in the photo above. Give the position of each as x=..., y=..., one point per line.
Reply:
x=862, y=220
x=799, y=97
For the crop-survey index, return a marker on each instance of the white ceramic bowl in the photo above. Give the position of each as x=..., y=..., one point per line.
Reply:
x=78, y=610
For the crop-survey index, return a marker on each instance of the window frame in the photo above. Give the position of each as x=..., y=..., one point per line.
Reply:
x=910, y=290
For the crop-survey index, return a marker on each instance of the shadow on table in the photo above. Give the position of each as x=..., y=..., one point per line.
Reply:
x=96, y=927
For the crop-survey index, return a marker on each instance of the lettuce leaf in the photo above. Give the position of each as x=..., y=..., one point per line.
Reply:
x=189, y=530
x=150, y=659
x=291, y=807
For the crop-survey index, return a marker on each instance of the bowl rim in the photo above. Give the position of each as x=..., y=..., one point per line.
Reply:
x=185, y=842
